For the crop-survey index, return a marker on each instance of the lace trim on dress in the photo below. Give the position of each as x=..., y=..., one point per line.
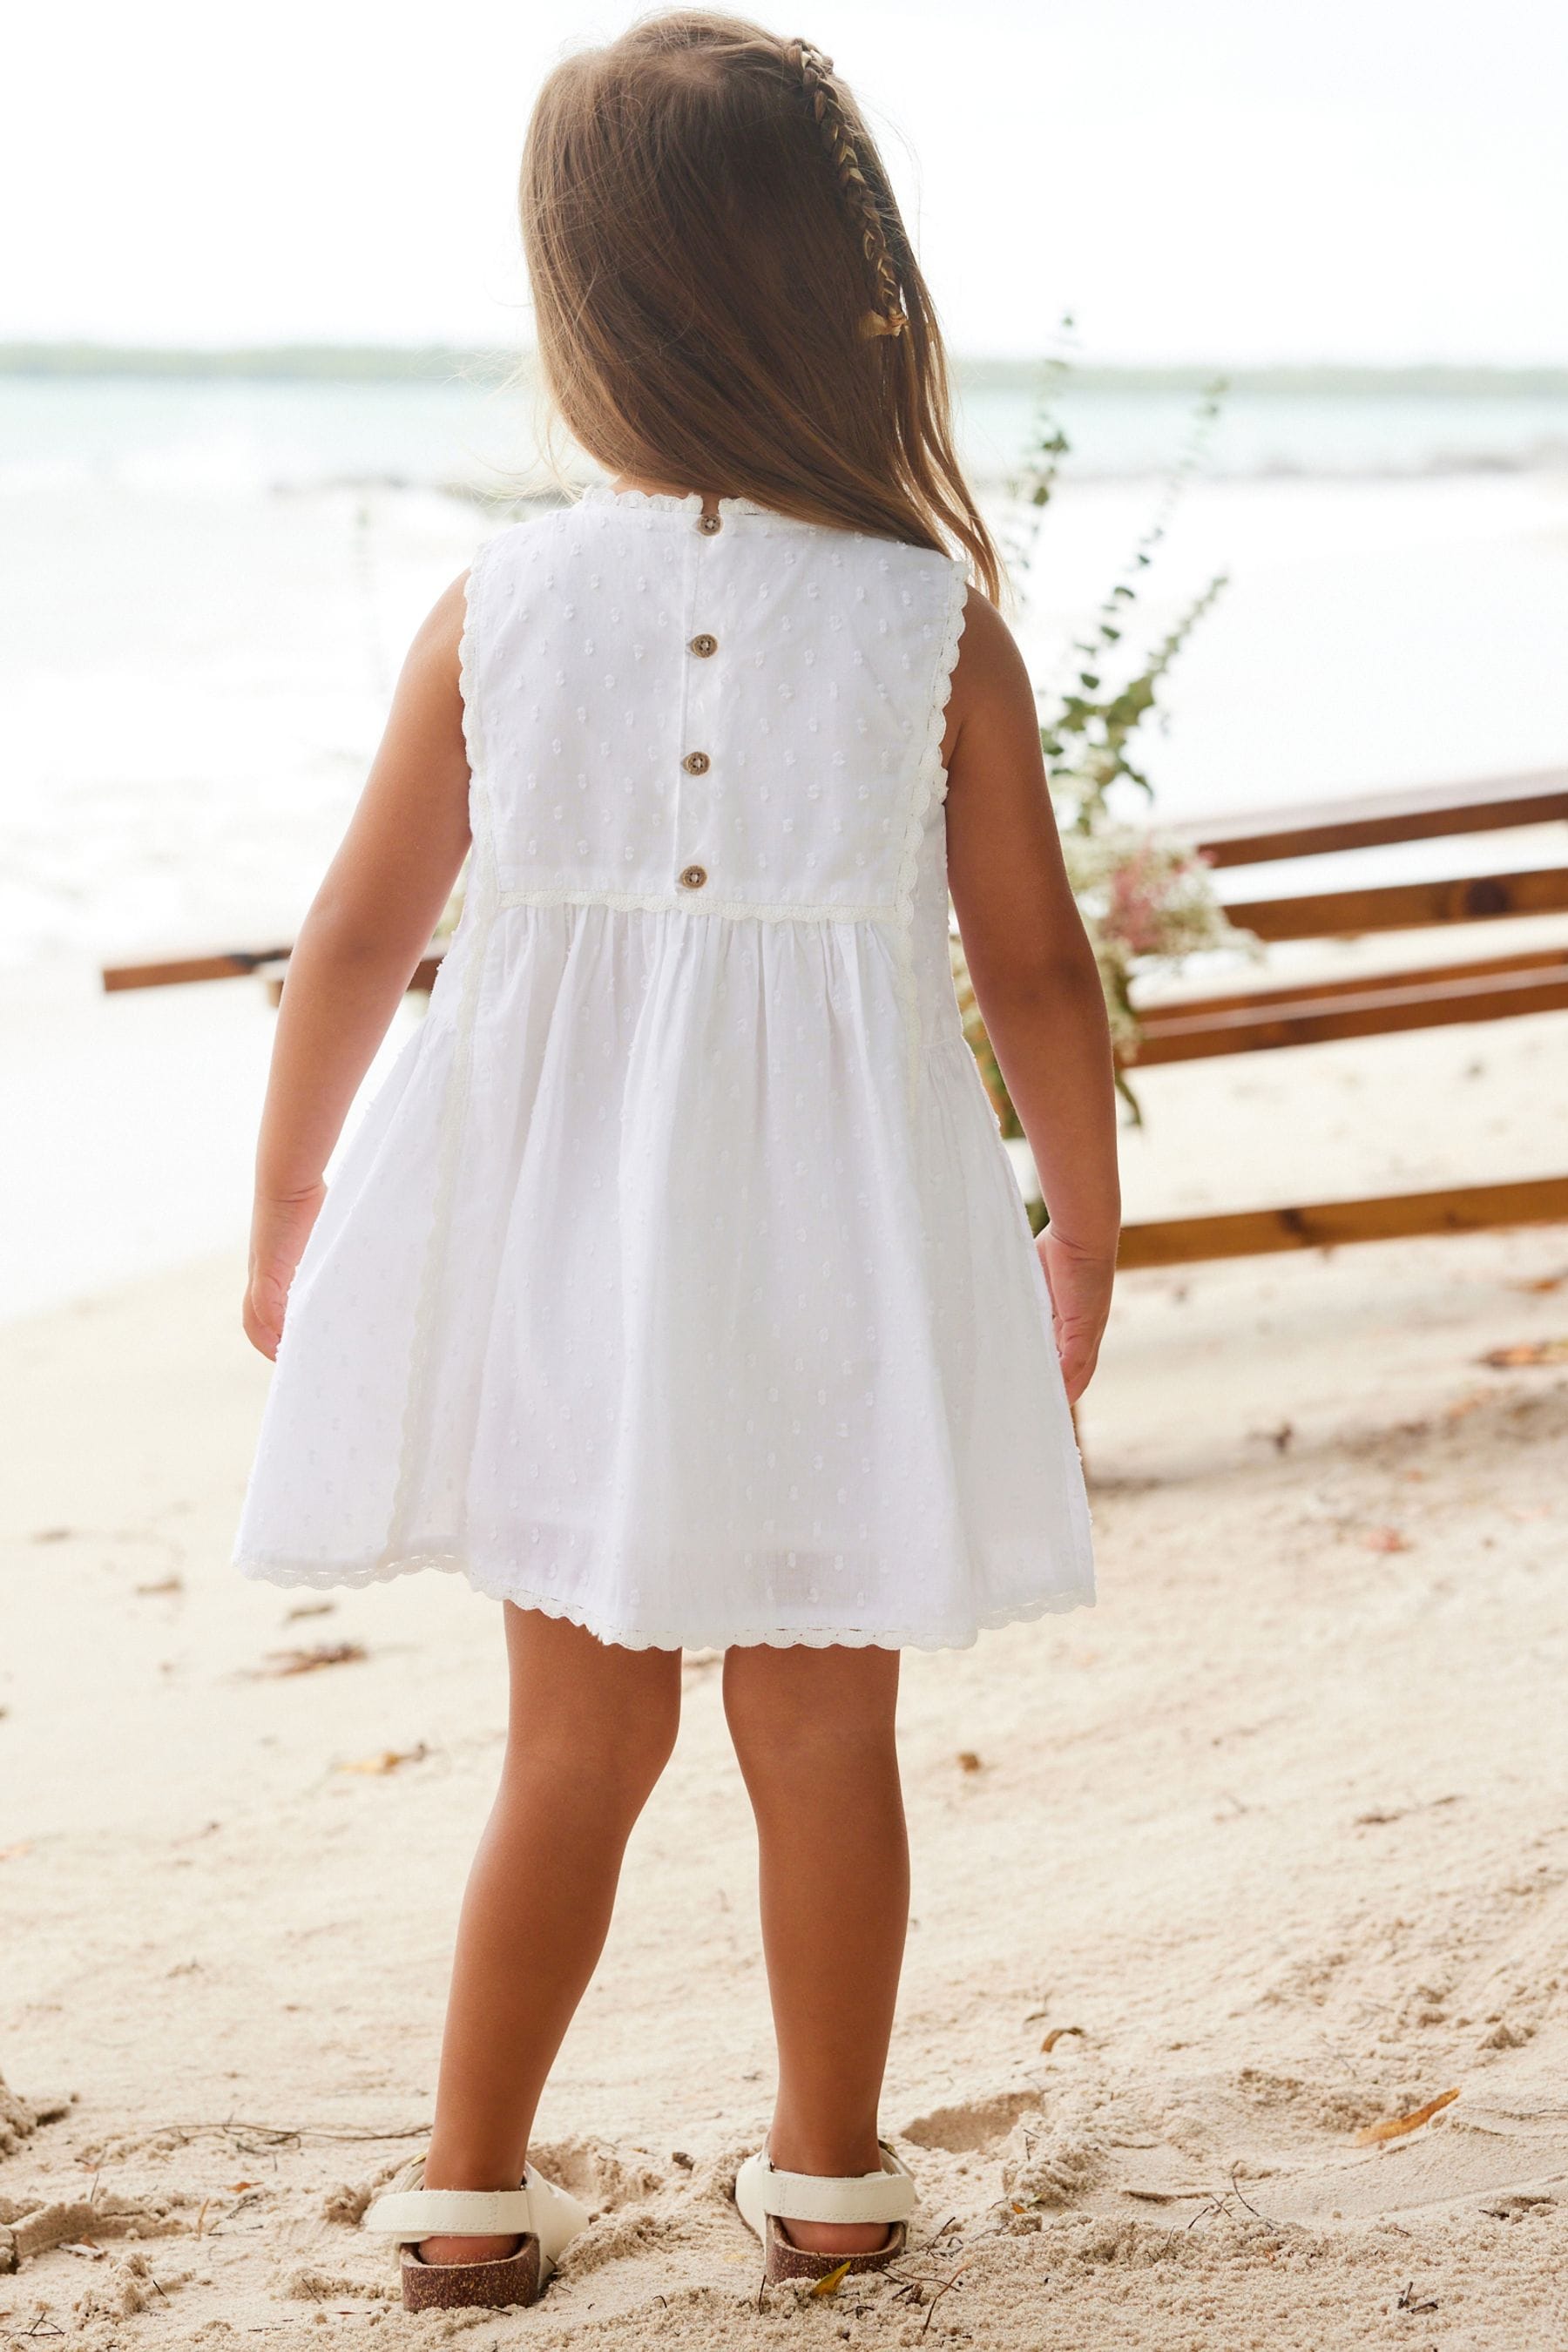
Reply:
x=479, y=905
x=502, y=1587
x=929, y=787
x=700, y=902
x=604, y=494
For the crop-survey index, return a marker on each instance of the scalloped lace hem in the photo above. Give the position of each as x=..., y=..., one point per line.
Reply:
x=695, y=1637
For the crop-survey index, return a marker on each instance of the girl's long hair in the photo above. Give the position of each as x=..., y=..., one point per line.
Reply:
x=727, y=299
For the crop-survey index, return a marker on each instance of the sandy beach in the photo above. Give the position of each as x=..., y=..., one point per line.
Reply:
x=1271, y=1849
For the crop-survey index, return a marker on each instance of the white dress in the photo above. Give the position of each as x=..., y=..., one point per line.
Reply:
x=677, y=1280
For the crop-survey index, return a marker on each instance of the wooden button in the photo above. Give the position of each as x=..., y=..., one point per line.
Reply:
x=703, y=646
x=697, y=764
x=692, y=878
x=709, y=524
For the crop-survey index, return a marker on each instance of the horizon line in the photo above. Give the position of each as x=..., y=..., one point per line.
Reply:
x=438, y=361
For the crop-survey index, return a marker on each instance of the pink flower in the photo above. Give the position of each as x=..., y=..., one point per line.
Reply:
x=1136, y=896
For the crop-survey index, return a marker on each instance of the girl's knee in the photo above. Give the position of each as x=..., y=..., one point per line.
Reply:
x=788, y=1729
x=621, y=1754
x=600, y=1717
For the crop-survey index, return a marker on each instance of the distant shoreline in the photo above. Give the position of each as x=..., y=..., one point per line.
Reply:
x=444, y=363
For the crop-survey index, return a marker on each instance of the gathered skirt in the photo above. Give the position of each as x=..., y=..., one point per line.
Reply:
x=652, y=1294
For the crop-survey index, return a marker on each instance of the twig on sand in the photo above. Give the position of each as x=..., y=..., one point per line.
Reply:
x=1217, y=2208
x=386, y=1760
x=266, y=2137
x=945, y=2288
x=908, y=2286
x=910, y=2289
x=279, y=1664
x=1241, y=2199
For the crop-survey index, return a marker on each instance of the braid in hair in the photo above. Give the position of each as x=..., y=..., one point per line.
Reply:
x=816, y=70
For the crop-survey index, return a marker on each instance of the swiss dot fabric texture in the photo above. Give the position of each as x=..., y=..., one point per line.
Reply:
x=676, y=1282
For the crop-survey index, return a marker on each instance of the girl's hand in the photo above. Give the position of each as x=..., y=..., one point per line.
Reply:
x=1080, y=1282
x=278, y=1232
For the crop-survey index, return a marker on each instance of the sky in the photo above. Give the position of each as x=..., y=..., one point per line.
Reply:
x=1239, y=182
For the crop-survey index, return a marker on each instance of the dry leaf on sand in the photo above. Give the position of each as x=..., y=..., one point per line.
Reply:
x=1397, y=2126
x=305, y=1662
x=387, y=1761
x=1058, y=2031
x=831, y=2281
x=164, y=1584
x=1527, y=1351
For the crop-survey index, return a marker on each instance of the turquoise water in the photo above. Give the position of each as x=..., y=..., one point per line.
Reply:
x=213, y=434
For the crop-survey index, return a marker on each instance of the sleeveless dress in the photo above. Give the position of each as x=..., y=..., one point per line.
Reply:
x=677, y=1281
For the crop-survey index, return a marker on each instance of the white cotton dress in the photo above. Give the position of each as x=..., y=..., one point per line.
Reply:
x=677, y=1281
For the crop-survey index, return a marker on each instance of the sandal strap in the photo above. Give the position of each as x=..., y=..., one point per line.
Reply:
x=410, y=2214
x=885, y=2196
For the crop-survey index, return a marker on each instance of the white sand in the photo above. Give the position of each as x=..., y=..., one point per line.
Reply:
x=1282, y=1828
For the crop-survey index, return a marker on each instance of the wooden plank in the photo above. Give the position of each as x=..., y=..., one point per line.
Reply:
x=1367, y=820
x=239, y=963
x=223, y=963
x=1302, y=992
x=1405, y=905
x=1395, y=1003
x=1331, y=1224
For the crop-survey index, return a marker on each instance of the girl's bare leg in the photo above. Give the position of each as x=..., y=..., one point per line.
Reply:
x=590, y=1730
x=814, y=1733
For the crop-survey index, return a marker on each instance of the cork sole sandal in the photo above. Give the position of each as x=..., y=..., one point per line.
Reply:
x=767, y=2198
x=544, y=2218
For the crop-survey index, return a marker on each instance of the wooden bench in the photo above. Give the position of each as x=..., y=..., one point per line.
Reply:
x=1367, y=1004
x=1271, y=1017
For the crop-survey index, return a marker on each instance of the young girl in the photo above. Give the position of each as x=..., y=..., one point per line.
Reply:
x=675, y=1287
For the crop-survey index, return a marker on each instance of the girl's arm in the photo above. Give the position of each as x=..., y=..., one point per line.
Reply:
x=368, y=927
x=1034, y=976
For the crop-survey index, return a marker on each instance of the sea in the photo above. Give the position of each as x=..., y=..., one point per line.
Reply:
x=207, y=583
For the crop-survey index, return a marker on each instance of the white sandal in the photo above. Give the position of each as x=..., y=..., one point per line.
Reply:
x=544, y=2217
x=766, y=2197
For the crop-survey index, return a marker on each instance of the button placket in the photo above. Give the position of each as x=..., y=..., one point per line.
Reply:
x=694, y=822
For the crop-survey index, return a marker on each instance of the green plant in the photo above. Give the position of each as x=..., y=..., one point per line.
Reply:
x=1147, y=900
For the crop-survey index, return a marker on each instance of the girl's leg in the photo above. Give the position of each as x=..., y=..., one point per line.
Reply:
x=590, y=1730
x=814, y=1733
